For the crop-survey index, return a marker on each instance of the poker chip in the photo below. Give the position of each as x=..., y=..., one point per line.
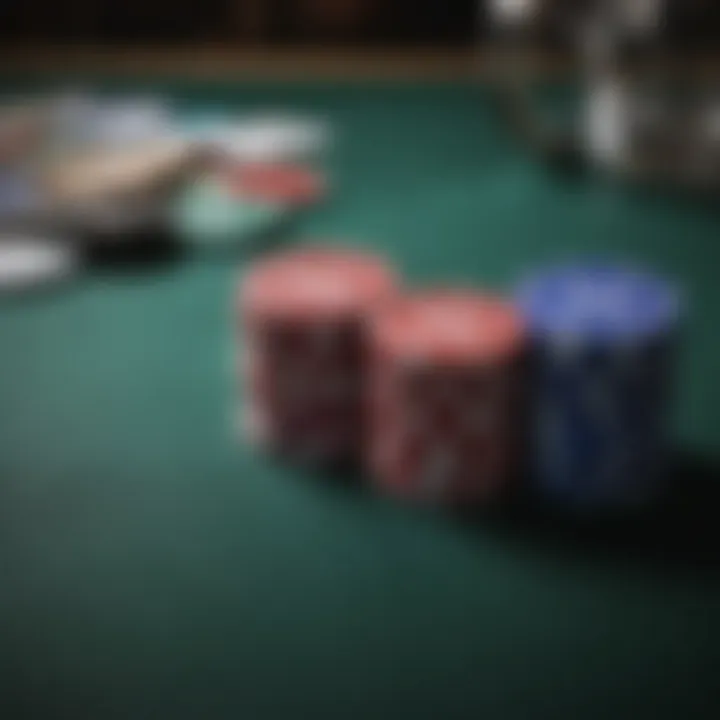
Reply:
x=269, y=139
x=603, y=340
x=599, y=302
x=302, y=351
x=278, y=183
x=27, y=262
x=445, y=395
x=316, y=283
x=448, y=327
x=207, y=215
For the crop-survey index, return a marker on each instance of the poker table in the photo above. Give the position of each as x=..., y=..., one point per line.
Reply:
x=153, y=566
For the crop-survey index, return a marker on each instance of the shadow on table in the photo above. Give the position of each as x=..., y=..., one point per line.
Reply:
x=163, y=246
x=343, y=478
x=695, y=202
x=678, y=536
x=149, y=253
x=148, y=250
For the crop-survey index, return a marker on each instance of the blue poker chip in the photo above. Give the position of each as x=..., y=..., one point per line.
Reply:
x=599, y=303
x=603, y=340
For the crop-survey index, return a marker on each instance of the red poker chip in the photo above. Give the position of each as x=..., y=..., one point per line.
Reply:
x=316, y=285
x=448, y=327
x=276, y=183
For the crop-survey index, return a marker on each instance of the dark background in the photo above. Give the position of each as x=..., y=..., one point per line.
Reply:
x=453, y=23
x=244, y=21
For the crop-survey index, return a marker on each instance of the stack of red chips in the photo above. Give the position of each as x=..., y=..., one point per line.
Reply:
x=424, y=389
x=445, y=396
x=304, y=317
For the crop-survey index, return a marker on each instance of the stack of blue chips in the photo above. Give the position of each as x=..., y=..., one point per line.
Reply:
x=602, y=340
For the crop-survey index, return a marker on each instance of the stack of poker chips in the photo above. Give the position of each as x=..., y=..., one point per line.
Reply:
x=444, y=395
x=452, y=396
x=602, y=346
x=303, y=354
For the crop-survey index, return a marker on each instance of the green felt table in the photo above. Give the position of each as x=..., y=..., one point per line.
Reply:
x=151, y=566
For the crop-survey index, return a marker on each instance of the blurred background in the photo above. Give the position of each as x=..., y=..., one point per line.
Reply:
x=450, y=23
x=278, y=22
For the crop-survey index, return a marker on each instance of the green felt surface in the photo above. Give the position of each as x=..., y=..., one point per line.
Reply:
x=152, y=567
